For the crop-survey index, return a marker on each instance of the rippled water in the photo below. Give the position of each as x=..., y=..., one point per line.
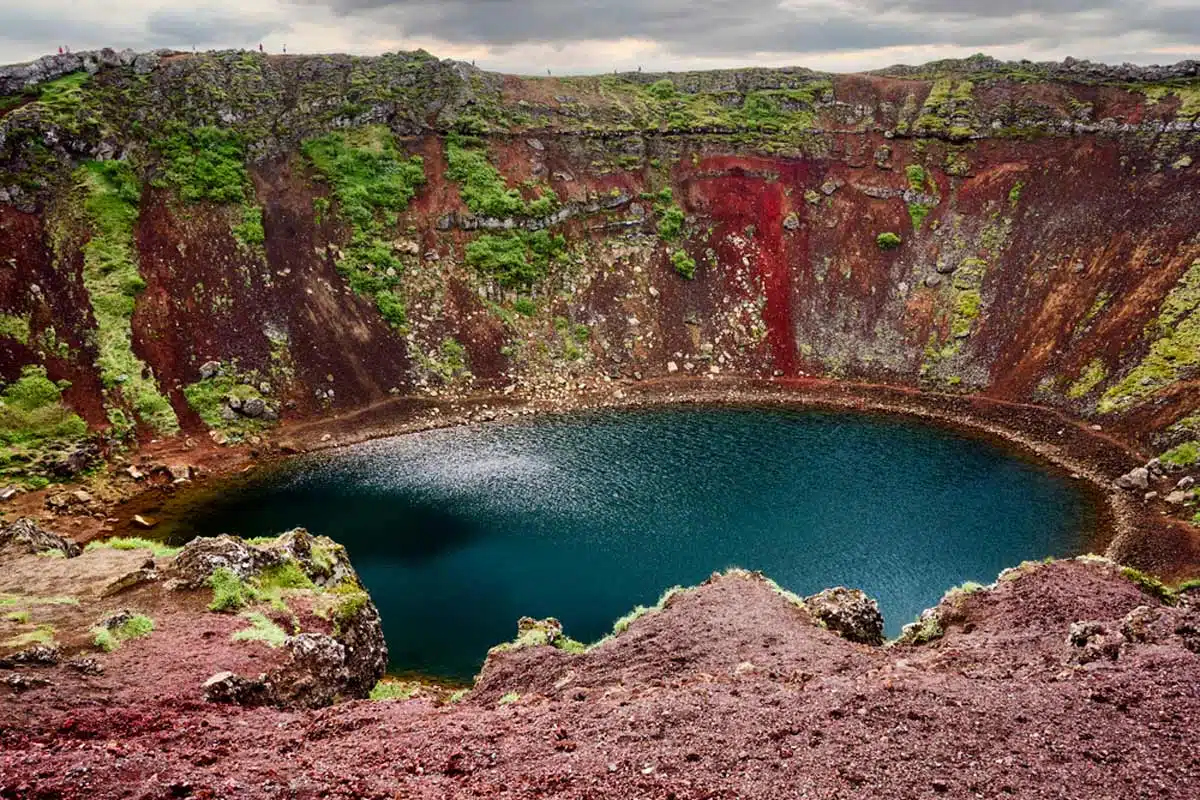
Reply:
x=457, y=533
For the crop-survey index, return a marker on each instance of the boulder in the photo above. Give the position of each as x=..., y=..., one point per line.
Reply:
x=314, y=676
x=210, y=369
x=25, y=537
x=850, y=613
x=40, y=655
x=1090, y=641
x=253, y=407
x=203, y=556
x=226, y=687
x=1136, y=478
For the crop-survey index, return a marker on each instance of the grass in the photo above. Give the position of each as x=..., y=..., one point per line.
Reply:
x=1150, y=585
x=32, y=412
x=888, y=241
x=204, y=163
x=113, y=282
x=670, y=215
x=515, y=259
x=230, y=592
x=109, y=639
x=261, y=630
x=33, y=600
x=19, y=617
x=1183, y=455
x=207, y=398
x=159, y=549
x=509, y=698
x=372, y=182
x=484, y=189
x=394, y=690
x=43, y=634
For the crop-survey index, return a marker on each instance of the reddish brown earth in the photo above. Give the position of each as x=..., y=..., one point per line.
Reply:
x=730, y=691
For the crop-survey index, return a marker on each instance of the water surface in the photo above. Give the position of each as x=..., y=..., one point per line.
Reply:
x=457, y=533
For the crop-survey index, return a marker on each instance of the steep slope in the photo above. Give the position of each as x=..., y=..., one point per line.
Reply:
x=211, y=242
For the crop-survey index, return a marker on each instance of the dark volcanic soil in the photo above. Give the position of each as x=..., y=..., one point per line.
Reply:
x=730, y=691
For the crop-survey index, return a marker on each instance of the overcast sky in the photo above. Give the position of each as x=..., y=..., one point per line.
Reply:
x=573, y=36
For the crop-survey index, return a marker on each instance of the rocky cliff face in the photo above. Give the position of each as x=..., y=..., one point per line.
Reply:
x=209, y=243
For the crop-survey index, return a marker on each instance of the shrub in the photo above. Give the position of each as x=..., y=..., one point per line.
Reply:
x=517, y=259
x=888, y=241
x=670, y=223
x=483, y=188
x=525, y=307
x=685, y=265
x=204, y=163
x=662, y=90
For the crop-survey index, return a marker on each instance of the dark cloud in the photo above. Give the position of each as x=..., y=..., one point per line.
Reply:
x=200, y=26
x=745, y=27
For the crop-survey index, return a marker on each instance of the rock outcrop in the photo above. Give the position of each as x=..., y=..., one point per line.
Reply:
x=850, y=613
x=25, y=536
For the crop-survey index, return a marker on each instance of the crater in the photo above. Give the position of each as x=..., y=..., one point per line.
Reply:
x=458, y=532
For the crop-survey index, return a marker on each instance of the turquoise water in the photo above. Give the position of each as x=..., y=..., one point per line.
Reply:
x=459, y=532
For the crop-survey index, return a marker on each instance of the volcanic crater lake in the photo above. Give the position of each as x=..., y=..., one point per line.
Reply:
x=459, y=532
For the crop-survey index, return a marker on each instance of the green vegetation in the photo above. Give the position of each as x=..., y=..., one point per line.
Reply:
x=508, y=698
x=670, y=216
x=1091, y=377
x=483, y=188
x=1187, y=92
x=230, y=592
x=684, y=264
x=916, y=177
x=525, y=307
x=888, y=241
x=394, y=690
x=159, y=549
x=1174, y=351
x=112, y=280
x=948, y=110
x=15, y=327
x=918, y=212
x=204, y=163
x=32, y=414
x=109, y=639
x=515, y=259
x=261, y=630
x=209, y=398
x=31, y=600
x=924, y=630
x=574, y=338
x=1150, y=585
x=1014, y=194
x=43, y=634
x=372, y=182
x=1183, y=455
x=19, y=617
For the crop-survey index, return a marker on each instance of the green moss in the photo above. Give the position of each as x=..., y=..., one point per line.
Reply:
x=372, y=182
x=15, y=327
x=250, y=231
x=19, y=617
x=888, y=241
x=924, y=630
x=1091, y=377
x=203, y=163
x=261, y=630
x=159, y=549
x=113, y=282
x=515, y=259
x=33, y=600
x=509, y=698
x=916, y=176
x=684, y=264
x=109, y=639
x=918, y=212
x=525, y=307
x=1174, y=351
x=1183, y=455
x=287, y=575
x=1014, y=194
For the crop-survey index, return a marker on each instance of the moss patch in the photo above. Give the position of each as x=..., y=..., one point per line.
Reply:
x=372, y=182
x=261, y=630
x=113, y=282
x=1183, y=455
x=1091, y=377
x=159, y=549
x=109, y=639
x=1174, y=350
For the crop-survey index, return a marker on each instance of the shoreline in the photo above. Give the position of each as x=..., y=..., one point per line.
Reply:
x=1127, y=528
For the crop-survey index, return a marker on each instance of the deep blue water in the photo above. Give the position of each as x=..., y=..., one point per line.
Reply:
x=457, y=533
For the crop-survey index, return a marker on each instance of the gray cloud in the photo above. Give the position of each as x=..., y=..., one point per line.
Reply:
x=736, y=27
x=200, y=26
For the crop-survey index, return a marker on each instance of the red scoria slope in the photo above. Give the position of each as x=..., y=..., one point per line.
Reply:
x=729, y=691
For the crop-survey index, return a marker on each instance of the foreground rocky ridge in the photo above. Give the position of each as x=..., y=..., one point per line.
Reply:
x=1064, y=679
